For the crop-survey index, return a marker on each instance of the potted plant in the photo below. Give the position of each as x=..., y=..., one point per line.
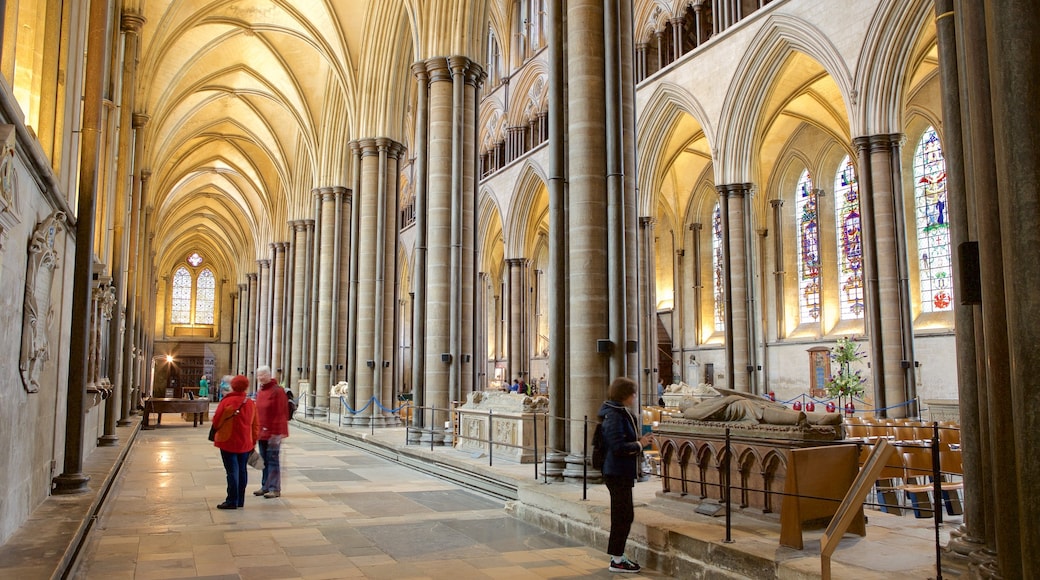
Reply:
x=846, y=383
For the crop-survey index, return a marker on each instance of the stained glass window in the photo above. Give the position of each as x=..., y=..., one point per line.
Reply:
x=195, y=260
x=180, y=305
x=808, y=221
x=717, y=269
x=933, y=227
x=205, y=288
x=850, y=247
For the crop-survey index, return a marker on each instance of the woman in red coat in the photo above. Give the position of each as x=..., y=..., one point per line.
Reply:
x=238, y=427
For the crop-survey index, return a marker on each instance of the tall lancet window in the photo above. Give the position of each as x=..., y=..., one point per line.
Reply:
x=807, y=219
x=850, y=247
x=205, y=288
x=180, y=305
x=933, y=226
x=717, y=269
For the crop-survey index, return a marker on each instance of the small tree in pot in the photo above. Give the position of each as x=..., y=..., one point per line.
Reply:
x=846, y=383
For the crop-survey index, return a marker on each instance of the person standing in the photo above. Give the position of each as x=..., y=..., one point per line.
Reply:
x=273, y=408
x=623, y=449
x=203, y=387
x=237, y=430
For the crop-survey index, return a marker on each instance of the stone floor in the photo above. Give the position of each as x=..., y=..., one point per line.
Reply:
x=346, y=512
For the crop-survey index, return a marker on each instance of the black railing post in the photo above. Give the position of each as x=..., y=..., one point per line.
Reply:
x=726, y=491
x=491, y=445
x=585, y=460
x=939, y=503
x=534, y=433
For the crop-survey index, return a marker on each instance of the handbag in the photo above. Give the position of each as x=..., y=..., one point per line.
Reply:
x=214, y=428
x=255, y=460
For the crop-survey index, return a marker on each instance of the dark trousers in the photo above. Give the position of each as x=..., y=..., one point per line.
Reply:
x=621, y=512
x=271, y=451
x=235, y=468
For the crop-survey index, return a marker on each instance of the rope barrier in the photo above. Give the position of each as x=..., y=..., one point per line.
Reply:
x=343, y=402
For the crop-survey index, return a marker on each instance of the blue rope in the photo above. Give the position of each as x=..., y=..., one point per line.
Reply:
x=343, y=402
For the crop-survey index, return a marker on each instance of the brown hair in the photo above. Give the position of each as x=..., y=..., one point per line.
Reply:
x=621, y=389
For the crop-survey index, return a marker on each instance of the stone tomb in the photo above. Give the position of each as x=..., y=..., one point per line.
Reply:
x=509, y=418
x=693, y=459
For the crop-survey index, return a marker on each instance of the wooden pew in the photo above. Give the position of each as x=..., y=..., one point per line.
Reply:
x=197, y=407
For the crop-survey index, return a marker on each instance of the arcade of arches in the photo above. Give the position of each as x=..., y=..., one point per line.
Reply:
x=399, y=195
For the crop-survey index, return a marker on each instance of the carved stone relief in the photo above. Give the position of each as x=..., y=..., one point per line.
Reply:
x=8, y=216
x=36, y=311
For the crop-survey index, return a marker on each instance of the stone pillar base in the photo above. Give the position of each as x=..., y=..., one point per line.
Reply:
x=555, y=464
x=576, y=470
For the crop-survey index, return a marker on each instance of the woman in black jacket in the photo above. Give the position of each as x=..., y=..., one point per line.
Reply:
x=624, y=446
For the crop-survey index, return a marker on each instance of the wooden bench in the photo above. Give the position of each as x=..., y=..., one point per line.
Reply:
x=199, y=408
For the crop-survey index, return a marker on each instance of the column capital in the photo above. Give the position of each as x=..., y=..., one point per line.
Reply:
x=280, y=246
x=264, y=263
x=139, y=120
x=647, y=221
x=251, y=276
x=131, y=22
x=438, y=69
x=419, y=70
x=516, y=262
x=696, y=227
x=779, y=202
x=734, y=189
x=881, y=142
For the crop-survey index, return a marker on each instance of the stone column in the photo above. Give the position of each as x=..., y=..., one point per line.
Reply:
x=733, y=200
x=323, y=342
x=984, y=175
x=251, y=311
x=72, y=480
x=647, y=337
x=130, y=344
x=118, y=330
x=1015, y=63
x=308, y=302
x=297, y=356
x=587, y=266
x=243, y=329
x=419, y=269
x=342, y=292
x=697, y=283
x=517, y=333
x=368, y=349
x=968, y=541
x=352, y=278
x=263, y=348
x=885, y=313
x=438, y=264
x=780, y=320
x=277, y=307
x=386, y=272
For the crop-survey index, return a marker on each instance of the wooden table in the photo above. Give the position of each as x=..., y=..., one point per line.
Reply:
x=197, y=407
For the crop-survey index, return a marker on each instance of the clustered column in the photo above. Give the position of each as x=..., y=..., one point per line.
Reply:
x=733, y=201
x=297, y=360
x=277, y=306
x=990, y=80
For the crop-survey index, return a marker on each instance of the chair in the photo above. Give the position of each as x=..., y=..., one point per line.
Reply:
x=917, y=479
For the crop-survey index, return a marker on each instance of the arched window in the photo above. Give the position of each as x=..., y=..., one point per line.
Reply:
x=717, y=264
x=933, y=228
x=180, y=305
x=205, y=288
x=193, y=295
x=494, y=59
x=807, y=219
x=850, y=247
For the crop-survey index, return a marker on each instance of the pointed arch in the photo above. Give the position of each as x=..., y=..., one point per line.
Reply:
x=747, y=95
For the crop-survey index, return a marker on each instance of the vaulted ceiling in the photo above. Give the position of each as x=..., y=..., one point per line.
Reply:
x=251, y=104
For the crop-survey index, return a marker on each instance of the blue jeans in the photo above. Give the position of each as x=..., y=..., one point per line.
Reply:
x=235, y=466
x=271, y=451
